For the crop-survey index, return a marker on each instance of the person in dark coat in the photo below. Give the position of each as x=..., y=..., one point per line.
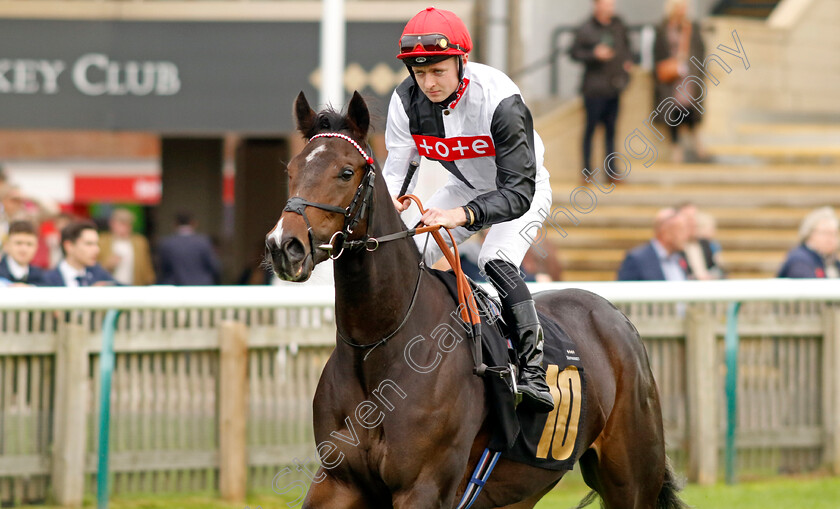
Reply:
x=80, y=246
x=679, y=38
x=661, y=259
x=19, y=251
x=187, y=258
x=816, y=255
x=602, y=46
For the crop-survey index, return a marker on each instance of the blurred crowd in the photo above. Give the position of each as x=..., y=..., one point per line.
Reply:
x=45, y=247
x=684, y=247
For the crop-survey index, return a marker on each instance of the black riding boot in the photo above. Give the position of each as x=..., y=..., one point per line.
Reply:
x=529, y=348
x=520, y=313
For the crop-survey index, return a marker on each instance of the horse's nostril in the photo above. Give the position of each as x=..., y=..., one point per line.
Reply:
x=293, y=248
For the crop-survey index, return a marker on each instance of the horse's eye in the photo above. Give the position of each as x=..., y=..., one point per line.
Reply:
x=346, y=174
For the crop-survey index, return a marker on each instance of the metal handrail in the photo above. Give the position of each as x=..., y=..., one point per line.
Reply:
x=558, y=50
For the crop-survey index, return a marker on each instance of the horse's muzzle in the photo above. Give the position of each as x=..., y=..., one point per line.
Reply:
x=289, y=258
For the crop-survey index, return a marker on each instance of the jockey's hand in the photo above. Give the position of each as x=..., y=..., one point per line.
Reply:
x=401, y=205
x=450, y=218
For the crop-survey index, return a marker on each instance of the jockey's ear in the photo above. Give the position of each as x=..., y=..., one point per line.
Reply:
x=304, y=115
x=358, y=114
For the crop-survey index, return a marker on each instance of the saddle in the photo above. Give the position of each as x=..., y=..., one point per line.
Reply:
x=540, y=440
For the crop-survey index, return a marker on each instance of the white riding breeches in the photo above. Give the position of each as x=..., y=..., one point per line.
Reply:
x=507, y=241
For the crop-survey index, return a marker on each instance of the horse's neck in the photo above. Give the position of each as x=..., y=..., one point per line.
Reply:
x=373, y=290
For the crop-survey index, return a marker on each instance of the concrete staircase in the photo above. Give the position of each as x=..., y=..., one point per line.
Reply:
x=758, y=209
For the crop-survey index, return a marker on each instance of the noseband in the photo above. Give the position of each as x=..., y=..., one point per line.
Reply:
x=361, y=203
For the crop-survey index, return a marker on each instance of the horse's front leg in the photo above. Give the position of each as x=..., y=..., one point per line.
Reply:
x=332, y=493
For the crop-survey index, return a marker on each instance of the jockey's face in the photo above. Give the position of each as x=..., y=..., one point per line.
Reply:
x=438, y=81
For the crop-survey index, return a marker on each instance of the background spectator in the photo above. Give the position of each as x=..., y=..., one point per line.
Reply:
x=125, y=254
x=678, y=39
x=4, y=181
x=187, y=257
x=19, y=250
x=816, y=255
x=541, y=263
x=80, y=244
x=14, y=204
x=706, y=234
x=51, y=233
x=601, y=44
x=700, y=253
x=661, y=258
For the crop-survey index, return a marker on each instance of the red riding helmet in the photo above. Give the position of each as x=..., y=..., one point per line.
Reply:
x=433, y=35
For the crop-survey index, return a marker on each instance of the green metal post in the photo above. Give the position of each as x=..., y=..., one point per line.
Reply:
x=106, y=364
x=731, y=344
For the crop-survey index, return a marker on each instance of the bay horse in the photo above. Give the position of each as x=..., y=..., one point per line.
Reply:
x=390, y=435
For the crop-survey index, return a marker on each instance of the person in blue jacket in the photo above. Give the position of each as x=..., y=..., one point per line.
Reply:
x=816, y=255
x=19, y=250
x=662, y=258
x=80, y=245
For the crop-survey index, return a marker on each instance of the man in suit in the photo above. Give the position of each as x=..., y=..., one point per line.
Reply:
x=816, y=255
x=661, y=259
x=187, y=258
x=19, y=249
x=80, y=245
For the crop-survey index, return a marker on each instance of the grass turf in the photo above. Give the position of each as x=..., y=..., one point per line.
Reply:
x=773, y=493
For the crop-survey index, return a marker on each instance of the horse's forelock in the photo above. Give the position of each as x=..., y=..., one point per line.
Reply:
x=330, y=120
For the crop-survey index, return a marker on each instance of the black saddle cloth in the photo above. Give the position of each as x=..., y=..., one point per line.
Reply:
x=541, y=440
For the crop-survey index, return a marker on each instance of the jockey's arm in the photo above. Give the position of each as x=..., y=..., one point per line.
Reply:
x=512, y=129
x=401, y=151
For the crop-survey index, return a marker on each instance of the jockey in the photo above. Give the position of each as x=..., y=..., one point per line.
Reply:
x=471, y=118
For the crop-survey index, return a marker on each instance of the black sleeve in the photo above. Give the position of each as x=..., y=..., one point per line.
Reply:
x=583, y=46
x=628, y=51
x=661, y=50
x=512, y=129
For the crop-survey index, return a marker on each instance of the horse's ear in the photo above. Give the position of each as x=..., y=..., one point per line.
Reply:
x=358, y=114
x=304, y=115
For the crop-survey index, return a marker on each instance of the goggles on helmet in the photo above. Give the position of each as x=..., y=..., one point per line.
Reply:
x=428, y=42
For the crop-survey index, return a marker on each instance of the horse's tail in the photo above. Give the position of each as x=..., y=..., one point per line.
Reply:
x=588, y=499
x=669, y=493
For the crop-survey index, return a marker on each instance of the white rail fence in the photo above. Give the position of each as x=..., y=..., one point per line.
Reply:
x=166, y=422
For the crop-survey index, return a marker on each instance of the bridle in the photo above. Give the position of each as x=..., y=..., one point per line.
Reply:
x=361, y=204
x=354, y=212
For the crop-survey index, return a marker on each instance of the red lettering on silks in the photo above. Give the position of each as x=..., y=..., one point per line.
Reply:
x=452, y=149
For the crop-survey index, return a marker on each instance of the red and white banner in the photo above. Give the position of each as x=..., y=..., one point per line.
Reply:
x=97, y=182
